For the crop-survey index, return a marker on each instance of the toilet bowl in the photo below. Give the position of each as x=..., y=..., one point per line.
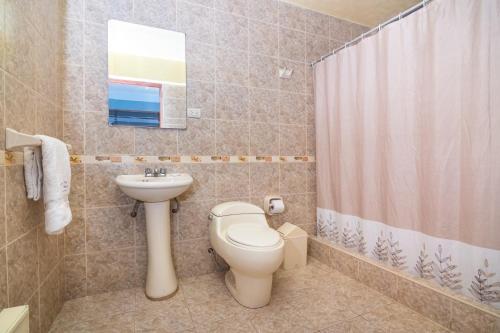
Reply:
x=239, y=233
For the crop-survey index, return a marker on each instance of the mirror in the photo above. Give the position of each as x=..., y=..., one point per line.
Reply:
x=146, y=76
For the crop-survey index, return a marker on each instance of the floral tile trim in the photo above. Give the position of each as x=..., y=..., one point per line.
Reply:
x=16, y=158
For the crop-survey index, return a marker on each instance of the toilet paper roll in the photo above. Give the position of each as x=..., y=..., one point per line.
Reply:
x=277, y=206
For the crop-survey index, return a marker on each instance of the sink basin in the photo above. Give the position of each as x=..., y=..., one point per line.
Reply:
x=154, y=189
x=156, y=193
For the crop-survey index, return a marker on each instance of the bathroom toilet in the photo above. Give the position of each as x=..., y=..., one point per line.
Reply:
x=239, y=233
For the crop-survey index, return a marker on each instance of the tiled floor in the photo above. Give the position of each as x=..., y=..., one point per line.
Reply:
x=311, y=299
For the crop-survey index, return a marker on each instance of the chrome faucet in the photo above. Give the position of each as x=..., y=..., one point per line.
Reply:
x=148, y=172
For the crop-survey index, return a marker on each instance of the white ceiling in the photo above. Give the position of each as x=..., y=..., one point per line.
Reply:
x=365, y=12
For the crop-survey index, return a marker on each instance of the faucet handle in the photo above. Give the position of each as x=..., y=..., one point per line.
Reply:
x=163, y=172
x=148, y=172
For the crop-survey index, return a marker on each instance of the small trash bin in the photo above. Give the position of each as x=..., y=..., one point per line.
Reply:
x=295, y=251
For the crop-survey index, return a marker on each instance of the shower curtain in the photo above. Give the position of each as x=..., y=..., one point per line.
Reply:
x=408, y=146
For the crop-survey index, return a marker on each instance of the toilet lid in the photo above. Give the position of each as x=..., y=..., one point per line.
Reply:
x=253, y=235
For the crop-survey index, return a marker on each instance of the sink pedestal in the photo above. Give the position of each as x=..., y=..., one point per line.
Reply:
x=161, y=281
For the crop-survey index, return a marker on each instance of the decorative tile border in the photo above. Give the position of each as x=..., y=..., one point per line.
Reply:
x=16, y=158
x=453, y=311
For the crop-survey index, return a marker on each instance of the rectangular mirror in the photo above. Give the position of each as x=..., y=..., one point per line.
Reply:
x=146, y=76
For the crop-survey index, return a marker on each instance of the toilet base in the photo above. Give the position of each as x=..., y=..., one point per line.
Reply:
x=250, y=291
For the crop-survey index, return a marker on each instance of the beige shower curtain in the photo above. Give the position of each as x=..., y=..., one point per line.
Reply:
x=408, y=142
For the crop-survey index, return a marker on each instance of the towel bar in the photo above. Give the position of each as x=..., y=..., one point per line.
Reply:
x=15, y=139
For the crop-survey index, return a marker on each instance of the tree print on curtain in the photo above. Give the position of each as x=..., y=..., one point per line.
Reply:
x=430, y=258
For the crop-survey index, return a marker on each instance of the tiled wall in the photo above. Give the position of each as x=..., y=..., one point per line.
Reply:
x=234, y=49
x=30, y=101
x=453, y=311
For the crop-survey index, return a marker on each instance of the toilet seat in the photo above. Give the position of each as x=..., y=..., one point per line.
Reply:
x=249, y=234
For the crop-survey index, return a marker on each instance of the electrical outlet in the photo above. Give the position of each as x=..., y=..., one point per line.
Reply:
x=194, y=113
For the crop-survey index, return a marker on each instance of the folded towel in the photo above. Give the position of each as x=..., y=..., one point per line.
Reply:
x=56, y=184
x=33, y=172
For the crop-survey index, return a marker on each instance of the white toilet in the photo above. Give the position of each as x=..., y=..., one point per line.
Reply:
x=239, y=233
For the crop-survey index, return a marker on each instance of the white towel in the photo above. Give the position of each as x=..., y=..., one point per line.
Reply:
x=56, y=184
x=33, y=172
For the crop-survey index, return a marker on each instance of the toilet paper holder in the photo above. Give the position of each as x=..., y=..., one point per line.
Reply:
x=273, y=204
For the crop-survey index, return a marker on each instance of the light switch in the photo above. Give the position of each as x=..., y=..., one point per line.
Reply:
x=194, y=113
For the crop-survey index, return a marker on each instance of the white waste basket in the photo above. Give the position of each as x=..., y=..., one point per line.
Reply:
x=295, y=250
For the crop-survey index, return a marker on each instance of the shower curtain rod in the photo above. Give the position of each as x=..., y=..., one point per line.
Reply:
x=396, y=18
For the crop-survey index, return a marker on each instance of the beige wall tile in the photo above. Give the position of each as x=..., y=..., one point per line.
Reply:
x=74, y=233
x=96, y=47
x=198, y=138
x=431, y=304
x=3, y=278
x=192, y=258
x=468, y=319
x=319, y=251
x=111, y=270
x=75, y=282
x=231, y=31
x=203, y=186
x=20, y=37
x=101, y=190
x=292, y=17
x=378, y=279
x=156, y=13
x=74, y=124
x=263, y=38
x=154, y=141
x=264, y=179
x=193, y=219
x=77, y=192
x=48, y=118
x=200, y=61
x=263, y=72
x=263, y=10
x=96, y=89
x=292, y=140
x=2, y=208
x=100, y=138
x=21, y=214
x=201, y=95
x=316, y=47
x=295, y=209
x=292, y=108
x=340, y=30
x=345, y=263
x=231, y=102
x=311, y=177
x=293, y=178
x=292, y=44
x=264, y=139
x=238, y=7
x=34, y=312
x=50, y=300
x=318, y=24
x=357, y=30
x=197, y=22
x=109, y=228
x=48, y=252
x=22, y=261
x=232, y=137
x=263, y=105
x=100, y=11
x=72, y=94
x=2, y=104
x=232, y=180
x=231, y=67
x=19, y=106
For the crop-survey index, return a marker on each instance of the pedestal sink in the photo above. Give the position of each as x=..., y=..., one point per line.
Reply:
x=156, y=193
